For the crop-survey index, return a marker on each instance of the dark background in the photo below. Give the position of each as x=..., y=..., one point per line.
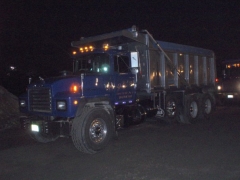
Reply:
x=35, y=36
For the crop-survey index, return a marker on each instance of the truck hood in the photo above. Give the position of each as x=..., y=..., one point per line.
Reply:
x=54, y=80
x=57, y=84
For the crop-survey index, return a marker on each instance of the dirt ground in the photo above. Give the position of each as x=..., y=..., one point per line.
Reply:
x=208, y=150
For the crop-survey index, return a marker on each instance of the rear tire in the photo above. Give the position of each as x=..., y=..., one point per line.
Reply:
x=92, y=130
x=207, y=106
x=190, y=112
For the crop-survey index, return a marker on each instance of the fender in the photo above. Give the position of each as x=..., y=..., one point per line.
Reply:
x=103, y=102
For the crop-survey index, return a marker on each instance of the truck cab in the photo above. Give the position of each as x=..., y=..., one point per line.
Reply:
x=108, y=73
x=103, y=79
x=228, y=84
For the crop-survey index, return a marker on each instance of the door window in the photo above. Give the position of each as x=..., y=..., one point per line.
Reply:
x=121, y=64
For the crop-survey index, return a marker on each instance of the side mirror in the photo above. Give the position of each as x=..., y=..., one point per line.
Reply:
x=134, y=59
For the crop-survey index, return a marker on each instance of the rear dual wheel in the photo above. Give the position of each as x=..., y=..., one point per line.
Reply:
x=197, y=106
x=190, y=112
x=207, y=106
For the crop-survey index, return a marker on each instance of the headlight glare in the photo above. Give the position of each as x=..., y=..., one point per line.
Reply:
x=35, y=128
x=61, y=105
x=22, y=103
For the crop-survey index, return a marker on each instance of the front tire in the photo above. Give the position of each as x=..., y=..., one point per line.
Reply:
x=92, y=130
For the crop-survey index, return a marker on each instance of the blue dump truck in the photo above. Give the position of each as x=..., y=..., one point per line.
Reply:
x=228, y=83
x=120, y=79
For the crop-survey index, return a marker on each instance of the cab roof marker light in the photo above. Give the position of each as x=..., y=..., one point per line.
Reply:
x=105, y=47
x=81, y=50
x=86, y=49
x=91, y=48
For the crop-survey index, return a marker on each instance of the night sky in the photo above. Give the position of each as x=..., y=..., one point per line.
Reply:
x=36, y=35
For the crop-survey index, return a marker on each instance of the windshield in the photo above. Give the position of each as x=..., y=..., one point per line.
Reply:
x=231, y=69
x=232, y=72
x=93, y=63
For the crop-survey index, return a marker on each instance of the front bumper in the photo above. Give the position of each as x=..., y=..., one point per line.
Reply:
x=59, y=127
x=229, y=96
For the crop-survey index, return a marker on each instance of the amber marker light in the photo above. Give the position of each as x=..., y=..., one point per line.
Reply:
x=91, y=48
x=86, y=49
x=105, y=47
x=81, y=49
x=75, y=102
x=74, y=88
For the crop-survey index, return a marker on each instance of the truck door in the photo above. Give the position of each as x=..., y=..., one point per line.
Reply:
x=95, y=69
x=124, y=80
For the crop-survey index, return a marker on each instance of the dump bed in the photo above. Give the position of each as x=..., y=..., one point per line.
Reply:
x=161, y=64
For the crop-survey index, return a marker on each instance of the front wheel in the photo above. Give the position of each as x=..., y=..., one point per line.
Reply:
x=92, y=130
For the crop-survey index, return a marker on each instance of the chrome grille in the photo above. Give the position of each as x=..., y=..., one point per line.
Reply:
x=40, y=100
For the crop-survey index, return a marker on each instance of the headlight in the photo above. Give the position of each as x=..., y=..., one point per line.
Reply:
x=22, y=103
x=219, y=87
x=61, y=105
x=34, y=128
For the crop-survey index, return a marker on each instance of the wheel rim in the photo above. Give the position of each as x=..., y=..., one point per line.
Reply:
x=193, y=109
x=208, y=106
x=98, y=130
x=171, y=108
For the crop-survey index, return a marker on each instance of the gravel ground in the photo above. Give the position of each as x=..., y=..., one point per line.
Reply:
x=153, y=150
x=9, y=110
